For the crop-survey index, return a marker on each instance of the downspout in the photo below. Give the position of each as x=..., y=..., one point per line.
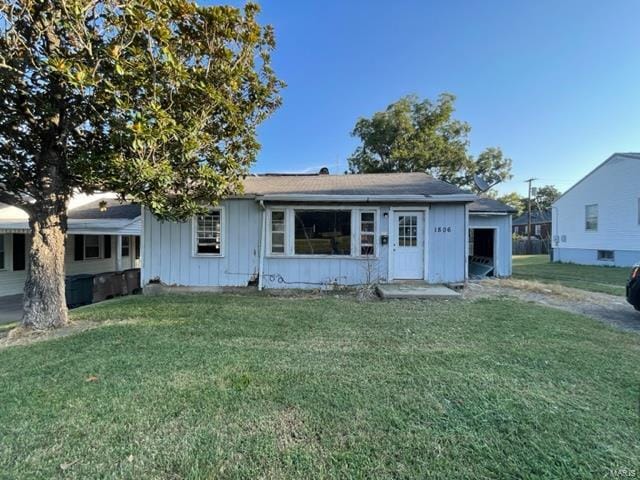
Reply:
x=262, y=244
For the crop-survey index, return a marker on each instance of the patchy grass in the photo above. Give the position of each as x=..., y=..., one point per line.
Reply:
x=593, y=278
x=259, y=387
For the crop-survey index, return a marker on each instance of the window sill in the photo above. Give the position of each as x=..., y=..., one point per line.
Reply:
x=339, y=257
x=206, y=255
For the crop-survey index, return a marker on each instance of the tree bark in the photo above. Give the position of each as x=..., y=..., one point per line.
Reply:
x=45, y=306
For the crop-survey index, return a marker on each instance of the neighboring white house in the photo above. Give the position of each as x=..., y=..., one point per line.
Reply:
x=320, y=230
x=103, y=236
x=597, y=221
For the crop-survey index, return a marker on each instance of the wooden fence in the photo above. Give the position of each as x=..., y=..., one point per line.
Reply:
x=538, y=247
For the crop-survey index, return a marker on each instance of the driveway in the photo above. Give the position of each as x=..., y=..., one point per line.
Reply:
x=10, y=308
x=610, y=309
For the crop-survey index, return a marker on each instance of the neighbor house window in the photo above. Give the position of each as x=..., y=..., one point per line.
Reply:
x=208, y=233
x=277, y=232
x=322, y=232
x=606, y=255
x=91, y=246
x=537, y=230
x=2, y=252
x=367, y=233
x=591, y=218
x=124, y=251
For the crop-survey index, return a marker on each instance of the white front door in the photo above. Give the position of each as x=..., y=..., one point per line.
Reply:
x=408, y=246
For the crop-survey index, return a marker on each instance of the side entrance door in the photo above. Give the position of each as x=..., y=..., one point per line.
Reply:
x=408, y=246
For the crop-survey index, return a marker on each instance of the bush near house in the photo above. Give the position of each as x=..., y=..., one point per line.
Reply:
x=254, y=386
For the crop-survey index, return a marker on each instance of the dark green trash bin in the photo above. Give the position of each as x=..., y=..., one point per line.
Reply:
x=79, y=290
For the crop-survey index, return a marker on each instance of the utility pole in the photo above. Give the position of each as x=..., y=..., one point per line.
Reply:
x=529, y=216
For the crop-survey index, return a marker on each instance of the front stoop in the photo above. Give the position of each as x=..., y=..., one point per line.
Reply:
x=415, y=291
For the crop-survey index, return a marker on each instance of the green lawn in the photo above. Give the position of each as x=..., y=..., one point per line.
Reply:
x=232, y=386
x=586, y=277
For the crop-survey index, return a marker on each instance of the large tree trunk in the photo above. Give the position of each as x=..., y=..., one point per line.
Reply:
x=44, y=298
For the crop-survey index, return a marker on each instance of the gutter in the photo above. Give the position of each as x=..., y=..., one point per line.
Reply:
x=263, y=230
x=287, y=197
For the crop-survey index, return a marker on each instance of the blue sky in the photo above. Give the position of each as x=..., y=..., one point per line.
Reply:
x=555, y=84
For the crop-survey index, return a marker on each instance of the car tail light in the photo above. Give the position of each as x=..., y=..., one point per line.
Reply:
x=634, y=272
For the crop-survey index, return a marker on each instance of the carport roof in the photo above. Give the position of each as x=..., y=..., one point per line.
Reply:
x=490, y=205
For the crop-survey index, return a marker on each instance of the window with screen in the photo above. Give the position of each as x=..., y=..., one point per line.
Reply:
x=2, y=252
x=322, y=232
x=208, y=233
x=278, y=232
x=367, y=233
x=591, y=218
x=91, y=246
x=124, y=251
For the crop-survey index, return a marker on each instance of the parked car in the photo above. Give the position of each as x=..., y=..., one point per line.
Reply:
x=633, y=287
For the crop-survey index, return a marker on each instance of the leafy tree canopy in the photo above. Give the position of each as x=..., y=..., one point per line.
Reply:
x=414, y=135
x=155, y=100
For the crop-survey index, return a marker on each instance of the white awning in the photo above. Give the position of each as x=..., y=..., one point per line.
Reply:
x=120, y=226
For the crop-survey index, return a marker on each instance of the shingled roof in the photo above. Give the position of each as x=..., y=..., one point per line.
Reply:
x=114, y=210
x=490, y=205
x=360, y=184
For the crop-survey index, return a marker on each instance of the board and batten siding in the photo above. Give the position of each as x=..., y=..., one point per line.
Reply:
x=168, y=250
x=503, y=239
x=615, y=188
x=446, y=250
x=168, y=256
x=12, y=283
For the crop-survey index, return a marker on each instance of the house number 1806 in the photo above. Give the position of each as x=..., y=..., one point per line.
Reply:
x=442, y=229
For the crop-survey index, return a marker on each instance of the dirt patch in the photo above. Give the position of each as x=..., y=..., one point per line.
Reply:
x=610, y=309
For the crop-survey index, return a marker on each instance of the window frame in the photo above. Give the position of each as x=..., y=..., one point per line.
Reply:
x=601, y=258
x=586, y=217
x=194, y=235
x=289, y=218
x=3, y=252
x=128, y=246
x=374, y=233
x=84, y=248
x=286, y=242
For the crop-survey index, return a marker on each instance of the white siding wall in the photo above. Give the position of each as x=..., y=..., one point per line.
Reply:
x=168, y=250
x=12, y=283
x=446, y=250
x=615, y=188
x=502, y=248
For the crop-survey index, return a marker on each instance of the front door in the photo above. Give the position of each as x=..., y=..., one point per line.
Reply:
x=408, y=246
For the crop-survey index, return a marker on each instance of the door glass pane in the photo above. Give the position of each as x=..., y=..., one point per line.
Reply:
x=408, y=231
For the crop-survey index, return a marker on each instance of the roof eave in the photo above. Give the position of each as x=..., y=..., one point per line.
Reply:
x=324, y=198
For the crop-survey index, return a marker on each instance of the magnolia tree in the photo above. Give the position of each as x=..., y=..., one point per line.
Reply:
x=156, y=100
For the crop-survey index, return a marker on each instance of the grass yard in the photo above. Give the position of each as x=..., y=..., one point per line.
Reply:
x=593, y=278
x=229, y=386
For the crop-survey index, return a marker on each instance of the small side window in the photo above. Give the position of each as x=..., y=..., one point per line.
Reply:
x=591, y=218
x=278, y=230
x=124, y=251
x=2, y=252
x=367, y=233
x=208, y=231
x=606, y=255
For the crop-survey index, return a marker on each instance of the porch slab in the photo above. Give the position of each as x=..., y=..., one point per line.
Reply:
x=415, y=291
x=10, y=309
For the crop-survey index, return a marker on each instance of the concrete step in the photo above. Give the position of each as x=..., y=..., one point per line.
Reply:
x=415, y=291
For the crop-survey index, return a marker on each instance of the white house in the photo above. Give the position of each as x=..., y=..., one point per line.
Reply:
x=597, y=221
x=320, y=230
x=103, y=236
